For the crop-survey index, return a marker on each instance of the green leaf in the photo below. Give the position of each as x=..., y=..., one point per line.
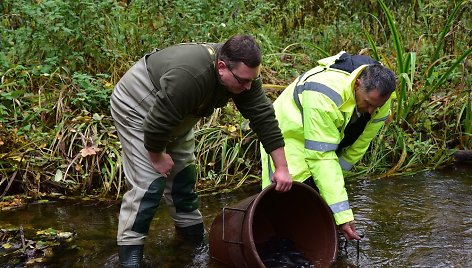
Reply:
x=427, y=124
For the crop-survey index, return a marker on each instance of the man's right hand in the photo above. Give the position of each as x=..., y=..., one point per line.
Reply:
x=282, y=177
x=162, y=163
x=349, y=231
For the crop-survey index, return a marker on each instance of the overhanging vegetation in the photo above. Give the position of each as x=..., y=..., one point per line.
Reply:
x=59, y=61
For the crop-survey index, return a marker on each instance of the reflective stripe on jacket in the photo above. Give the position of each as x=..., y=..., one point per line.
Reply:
x=313, y=113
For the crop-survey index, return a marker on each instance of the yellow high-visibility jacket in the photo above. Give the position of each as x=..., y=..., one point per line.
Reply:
x=313, y=113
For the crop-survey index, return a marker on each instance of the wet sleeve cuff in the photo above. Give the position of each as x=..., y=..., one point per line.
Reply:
x=343, y=216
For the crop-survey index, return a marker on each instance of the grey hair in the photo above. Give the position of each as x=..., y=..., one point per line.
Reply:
x=378, y=77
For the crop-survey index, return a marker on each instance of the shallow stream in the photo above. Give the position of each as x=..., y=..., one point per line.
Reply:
x=423, y=220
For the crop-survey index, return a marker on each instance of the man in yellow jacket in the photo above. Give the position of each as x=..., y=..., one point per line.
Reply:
x=328, y=117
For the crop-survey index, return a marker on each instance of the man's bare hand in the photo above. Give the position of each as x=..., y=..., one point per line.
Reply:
x=282, y=179
x=162, y=163
x=349, y=231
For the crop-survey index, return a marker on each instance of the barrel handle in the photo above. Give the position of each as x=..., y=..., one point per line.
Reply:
x=223, y=217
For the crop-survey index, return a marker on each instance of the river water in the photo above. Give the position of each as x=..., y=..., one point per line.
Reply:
x=422, y=220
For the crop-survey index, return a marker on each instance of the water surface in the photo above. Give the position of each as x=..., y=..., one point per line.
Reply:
x=423, y=220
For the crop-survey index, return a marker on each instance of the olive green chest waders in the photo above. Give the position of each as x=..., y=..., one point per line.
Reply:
x=131, y=100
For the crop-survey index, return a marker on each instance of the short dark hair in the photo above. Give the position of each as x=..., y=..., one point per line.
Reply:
x=377, y=76
x=240, y=48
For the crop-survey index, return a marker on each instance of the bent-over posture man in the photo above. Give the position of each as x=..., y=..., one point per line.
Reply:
x=328, y=117
x=155, y=106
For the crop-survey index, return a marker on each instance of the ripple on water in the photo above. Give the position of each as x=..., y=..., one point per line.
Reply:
x=422, y=220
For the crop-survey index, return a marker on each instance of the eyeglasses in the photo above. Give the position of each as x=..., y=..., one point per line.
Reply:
x=243, y=81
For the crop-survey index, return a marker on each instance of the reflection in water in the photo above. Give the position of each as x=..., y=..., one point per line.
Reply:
x=424, y=220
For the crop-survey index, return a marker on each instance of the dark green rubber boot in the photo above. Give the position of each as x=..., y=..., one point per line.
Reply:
x=192, y=234
x=130, y=256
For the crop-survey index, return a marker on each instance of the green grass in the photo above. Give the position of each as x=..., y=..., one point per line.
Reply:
x=60, y=59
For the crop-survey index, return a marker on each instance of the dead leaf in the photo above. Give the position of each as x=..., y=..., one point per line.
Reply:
x=89, y=151
x=59, y=176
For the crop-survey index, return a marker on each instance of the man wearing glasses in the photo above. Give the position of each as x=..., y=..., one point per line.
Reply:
x=155, y=106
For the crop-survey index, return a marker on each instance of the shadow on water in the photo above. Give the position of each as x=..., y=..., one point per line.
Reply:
x=424, y=220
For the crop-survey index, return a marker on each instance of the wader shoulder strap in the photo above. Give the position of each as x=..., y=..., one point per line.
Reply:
x=147, y=68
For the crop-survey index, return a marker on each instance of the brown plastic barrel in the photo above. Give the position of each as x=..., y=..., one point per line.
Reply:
x=300, y=215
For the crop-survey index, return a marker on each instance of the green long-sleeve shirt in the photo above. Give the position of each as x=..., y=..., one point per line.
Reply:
x=189, y=88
